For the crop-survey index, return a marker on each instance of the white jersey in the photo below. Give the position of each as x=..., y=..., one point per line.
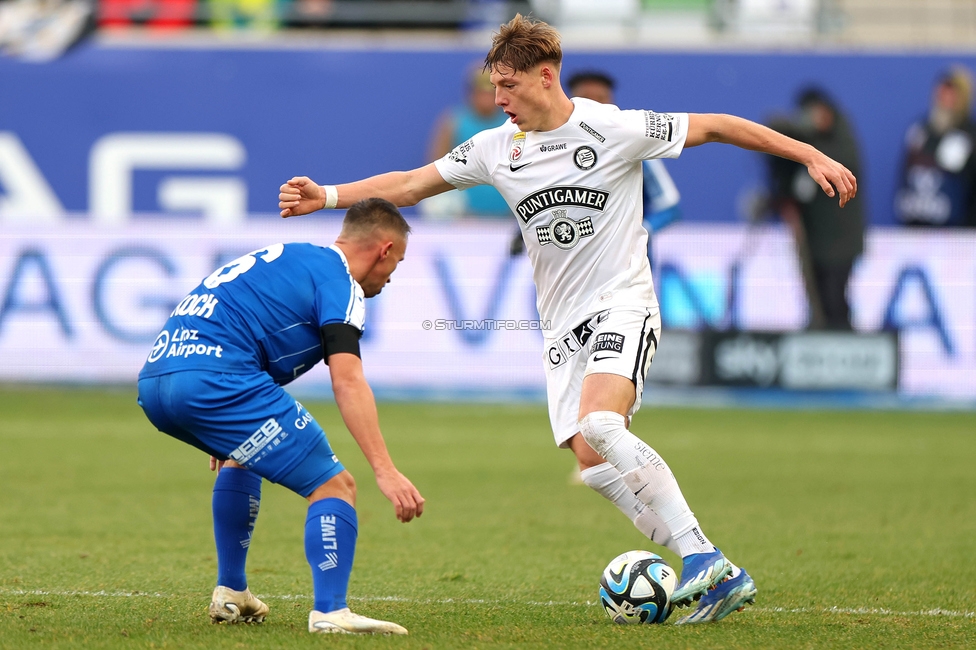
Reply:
x=576, y=191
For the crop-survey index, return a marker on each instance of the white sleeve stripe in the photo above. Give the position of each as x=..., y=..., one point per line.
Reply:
x=352, y=300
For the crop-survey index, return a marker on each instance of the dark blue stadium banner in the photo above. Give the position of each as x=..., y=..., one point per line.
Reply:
x=111, y=130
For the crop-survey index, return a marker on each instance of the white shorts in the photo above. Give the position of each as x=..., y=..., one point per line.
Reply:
x=620, y=341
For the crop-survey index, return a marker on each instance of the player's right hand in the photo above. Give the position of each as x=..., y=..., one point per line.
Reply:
x=300, y=195
x=402, y=494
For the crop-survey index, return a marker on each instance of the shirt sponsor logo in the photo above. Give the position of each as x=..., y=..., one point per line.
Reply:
x=566, y=346
x=564, y=232
x=518, y=146
x=608, y=342
x=460, y=153
x=304, y=417
x=659, y=126
x=551, y=197
x=181, y=344
x=270, y=434
x=546, y=148
x=589, y=129
x=159, y=347
x=584, y=158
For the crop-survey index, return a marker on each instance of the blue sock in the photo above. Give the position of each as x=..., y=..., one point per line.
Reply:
x=330, y=544
x=236, y=501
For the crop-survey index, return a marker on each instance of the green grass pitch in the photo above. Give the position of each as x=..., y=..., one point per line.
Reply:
x=859, y=528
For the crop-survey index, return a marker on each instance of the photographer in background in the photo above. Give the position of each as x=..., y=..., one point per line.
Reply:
x=828, y=239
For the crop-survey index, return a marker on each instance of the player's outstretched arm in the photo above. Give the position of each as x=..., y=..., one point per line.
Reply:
x=827, y=172
x=358, y=408
x=301, y=195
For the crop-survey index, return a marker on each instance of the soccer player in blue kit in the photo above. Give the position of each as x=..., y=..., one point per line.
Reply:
x=214, y=380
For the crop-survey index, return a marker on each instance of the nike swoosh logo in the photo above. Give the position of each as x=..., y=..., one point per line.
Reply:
x=605, y=356
x=515, y=169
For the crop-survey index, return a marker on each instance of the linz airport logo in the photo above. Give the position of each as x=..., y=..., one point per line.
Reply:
x=460, y=152
x=584, y=158
x=564, y=232
x=553, y=197
x=159, y=347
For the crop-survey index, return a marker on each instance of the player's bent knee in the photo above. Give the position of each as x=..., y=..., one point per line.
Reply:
x=602, y=429
x=341, y=486
x=586, y=457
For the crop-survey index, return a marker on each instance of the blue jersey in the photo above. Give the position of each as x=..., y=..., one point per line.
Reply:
x=661, y=197
x=260, y=313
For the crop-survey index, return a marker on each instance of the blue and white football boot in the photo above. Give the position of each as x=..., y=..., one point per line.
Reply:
x=699, y=573
x=732, y=594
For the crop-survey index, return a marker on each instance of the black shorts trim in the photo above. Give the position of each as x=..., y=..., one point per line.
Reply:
x=643, y=350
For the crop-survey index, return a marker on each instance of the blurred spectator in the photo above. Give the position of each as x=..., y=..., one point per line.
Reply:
x=455, y=125
x=938, y=182
x=307, y=14
x=661, y=197
x=158, y=14
x=244, y=14
x=42, y=30
x=829, y=239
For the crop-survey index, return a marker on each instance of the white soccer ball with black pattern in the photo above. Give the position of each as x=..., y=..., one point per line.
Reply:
x=636, y=588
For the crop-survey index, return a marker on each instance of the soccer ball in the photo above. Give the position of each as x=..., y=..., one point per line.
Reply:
x=636, y=588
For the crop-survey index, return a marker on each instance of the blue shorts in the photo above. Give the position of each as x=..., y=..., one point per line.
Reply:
x=246, y=418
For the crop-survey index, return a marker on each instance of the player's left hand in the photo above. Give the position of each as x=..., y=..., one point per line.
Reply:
x=830, y=174
x=216, y=465
x=402, y=494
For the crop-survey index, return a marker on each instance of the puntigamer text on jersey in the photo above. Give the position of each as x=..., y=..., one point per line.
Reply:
x=564, y=195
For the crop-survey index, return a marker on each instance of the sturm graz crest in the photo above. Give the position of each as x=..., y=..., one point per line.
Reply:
x=563, y=231
x=584, y=158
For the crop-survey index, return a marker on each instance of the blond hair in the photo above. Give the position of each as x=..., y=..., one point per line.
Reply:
x=522, y=44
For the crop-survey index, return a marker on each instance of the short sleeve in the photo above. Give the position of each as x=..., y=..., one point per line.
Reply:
x=341, y=301
x=646, y=134
x=468, y=163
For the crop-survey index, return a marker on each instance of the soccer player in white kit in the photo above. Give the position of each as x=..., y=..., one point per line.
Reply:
x=571, y=172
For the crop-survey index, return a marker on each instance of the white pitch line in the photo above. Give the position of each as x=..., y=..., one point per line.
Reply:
x=873, y=611
x=73, y=592
x=878, y=611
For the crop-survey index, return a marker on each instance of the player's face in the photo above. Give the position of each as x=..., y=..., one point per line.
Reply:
x=379, y=276
x=521, y=95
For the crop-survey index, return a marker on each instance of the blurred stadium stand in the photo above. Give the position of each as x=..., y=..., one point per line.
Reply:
x=942, y=23
x=42, y=29
x=900, y=23
x=374, y=14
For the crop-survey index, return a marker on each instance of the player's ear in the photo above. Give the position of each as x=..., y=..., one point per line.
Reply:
x=549, y=75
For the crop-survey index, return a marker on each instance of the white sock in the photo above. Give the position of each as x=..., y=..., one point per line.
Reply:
x=647, y=476
x=607, y=481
